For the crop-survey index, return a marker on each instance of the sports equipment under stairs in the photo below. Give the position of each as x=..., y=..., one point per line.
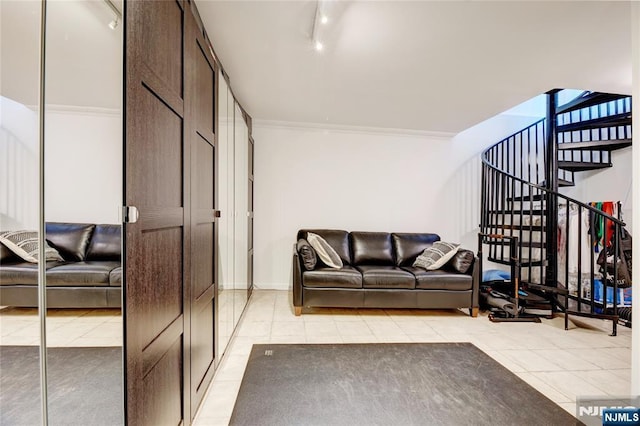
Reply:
x=522, y=177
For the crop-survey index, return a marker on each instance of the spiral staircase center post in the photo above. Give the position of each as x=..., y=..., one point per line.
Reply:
x=551, y=199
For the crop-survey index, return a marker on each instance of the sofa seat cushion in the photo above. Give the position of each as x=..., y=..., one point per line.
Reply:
x=345, y=277
x=115, y=277
x=440, y=280
x=90, y=273
x=25, y=273
x=386, y=277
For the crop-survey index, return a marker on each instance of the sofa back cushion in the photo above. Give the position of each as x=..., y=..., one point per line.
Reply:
x=337, y=239
x=70, y=239
x=6, y=255
x=408, y=246
x=105, y=243
x=372, y=248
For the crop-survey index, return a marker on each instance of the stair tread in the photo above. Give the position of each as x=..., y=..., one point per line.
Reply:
x=516, y=212
x=590, y=99
x=545, y=288
x=518, y=227
x=537, y=197
x=581, y=166
x=522, y=262
x=622, y=119
x=561, y=183
x=607, y=145
x=524, y=244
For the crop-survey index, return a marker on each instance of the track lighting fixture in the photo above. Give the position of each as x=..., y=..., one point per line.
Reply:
x=118, y=15
x=320, y=19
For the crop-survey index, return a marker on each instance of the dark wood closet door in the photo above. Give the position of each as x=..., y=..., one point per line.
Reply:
x=200, y=85
x=156, y=163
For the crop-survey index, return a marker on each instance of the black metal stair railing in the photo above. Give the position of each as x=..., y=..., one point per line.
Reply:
x=515, y=198
x=589, y=128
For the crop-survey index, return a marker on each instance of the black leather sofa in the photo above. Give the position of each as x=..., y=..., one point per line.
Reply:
x=89, y=277
x=377, y=272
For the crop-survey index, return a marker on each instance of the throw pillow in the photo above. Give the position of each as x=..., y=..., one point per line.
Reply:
x=436, y=256
x=325, y=252
x=461, y=261
x=308, y=254
x=25, y=245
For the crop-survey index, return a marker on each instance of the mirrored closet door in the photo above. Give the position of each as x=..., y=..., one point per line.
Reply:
x=20, y=325
x=82, y=194
x=61, y=154
x=241, y=235
x=225, y=222
x=235, y=184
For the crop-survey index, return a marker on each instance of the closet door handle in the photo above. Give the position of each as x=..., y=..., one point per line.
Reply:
x=130, y=214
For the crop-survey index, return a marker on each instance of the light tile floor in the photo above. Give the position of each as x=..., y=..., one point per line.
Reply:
x=561, y=364
x=65, y=327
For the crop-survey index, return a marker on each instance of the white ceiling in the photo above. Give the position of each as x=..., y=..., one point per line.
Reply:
x=83, y=59
x=431, y=66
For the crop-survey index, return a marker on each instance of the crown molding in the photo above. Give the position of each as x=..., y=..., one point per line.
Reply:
x=342, y=128
x=75, y=109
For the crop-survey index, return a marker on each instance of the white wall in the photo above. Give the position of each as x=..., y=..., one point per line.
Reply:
x=83, y=165
x=611, y=184
x=364, y=180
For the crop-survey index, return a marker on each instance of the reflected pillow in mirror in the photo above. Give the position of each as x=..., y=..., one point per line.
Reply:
x=25, y=245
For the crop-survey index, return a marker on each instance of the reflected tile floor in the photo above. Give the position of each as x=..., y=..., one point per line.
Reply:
x=560, y=364
x=65, y=327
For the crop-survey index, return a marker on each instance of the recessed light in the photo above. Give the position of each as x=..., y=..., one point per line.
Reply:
x=318, y=46
x=324, y=19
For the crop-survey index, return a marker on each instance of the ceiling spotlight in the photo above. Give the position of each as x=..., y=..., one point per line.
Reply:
x=318, y=46
x=324, y=19
x=117, y=15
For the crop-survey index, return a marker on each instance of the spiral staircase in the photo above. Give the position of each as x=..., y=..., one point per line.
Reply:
x=521, y=180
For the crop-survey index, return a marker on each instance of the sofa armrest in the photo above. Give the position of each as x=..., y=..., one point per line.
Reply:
x=297, y=278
